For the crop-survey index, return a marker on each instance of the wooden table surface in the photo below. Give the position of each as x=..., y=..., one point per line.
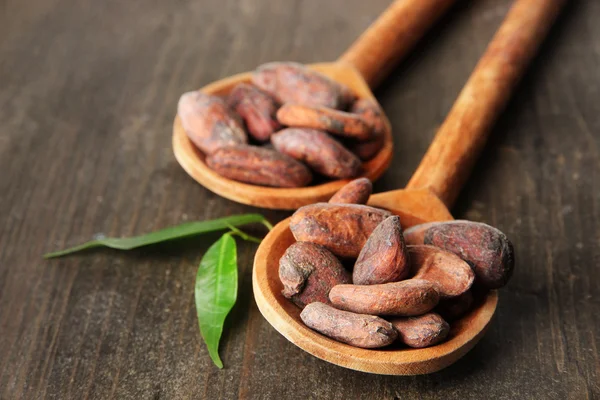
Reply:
x=88, y=91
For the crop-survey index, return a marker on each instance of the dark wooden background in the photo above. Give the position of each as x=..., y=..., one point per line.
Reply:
x=88, y=91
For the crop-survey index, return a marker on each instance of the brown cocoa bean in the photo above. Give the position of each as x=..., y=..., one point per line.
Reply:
x=294, y=83
x=384, y=257
x=423, y=331
x=485, y=248
x=308, y=272
x=347, y=97
x=404, y=298
x=326, y=119
x=357, y=191
x=446, y=271
x=257, y=108
x=341, y=228
x=370, y=111
x=259, y=166
x=366, y=150
x=318, y=150
x=208, y=122
x=358, y=330
x=456, y=307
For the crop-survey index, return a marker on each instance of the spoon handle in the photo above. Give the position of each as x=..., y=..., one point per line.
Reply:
x=457, y=144
x=375, y=53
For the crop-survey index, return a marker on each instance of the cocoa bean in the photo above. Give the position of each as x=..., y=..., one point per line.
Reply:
x=259, y=166
x=257, y=108
x=357, y=191
x=358, y=330
x=294, y=83
x=341, y=228
x=326, y=119
x=456, y=307
x=404, y=298
x=368, y=149
x=446, y=271
x=347, y=97
x=423, y=331
x=308, y=272
x=384, y=257
x=208, y=122
x=485, y=248
x=370, y=111
x=318, y=150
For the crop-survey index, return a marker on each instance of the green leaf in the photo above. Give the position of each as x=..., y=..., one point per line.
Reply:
x=216, y=291
x=174, y=232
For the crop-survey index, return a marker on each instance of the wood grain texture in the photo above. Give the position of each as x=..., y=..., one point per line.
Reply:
x=88, y=92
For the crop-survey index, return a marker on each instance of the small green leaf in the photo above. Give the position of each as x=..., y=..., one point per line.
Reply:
x=216, y=291
x=174, y=232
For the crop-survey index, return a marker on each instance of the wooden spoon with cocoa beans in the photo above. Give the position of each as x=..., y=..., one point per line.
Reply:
x=427, y=198
x=361, y=68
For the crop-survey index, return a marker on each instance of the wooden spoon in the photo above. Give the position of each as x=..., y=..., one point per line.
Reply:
x=361, y=68
x=427, y=197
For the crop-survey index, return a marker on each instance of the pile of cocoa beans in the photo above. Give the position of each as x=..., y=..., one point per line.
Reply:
x=403, y=286
x=289, y=127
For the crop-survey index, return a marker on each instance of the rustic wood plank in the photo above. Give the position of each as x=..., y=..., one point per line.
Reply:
x=88, y=93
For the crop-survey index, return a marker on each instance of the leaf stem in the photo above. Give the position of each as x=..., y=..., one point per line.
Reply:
x=267, y=224
x=243, y=235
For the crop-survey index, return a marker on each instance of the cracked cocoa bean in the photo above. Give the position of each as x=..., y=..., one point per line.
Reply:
x=446, y=271
x=295, y=83
x=358, y=330
x=423, y=331
x=326, y=119
x=384, y=257
x=341, y=228
x=404, y=298
x=357, y=191
x=257, y=108
x=318, y=150
x=258, y=166
x=485, y=248
x=308, y=272
x=208, y=122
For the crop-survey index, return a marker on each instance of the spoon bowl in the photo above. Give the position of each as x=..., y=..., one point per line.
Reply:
x=413, y=207
x=193, y=160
